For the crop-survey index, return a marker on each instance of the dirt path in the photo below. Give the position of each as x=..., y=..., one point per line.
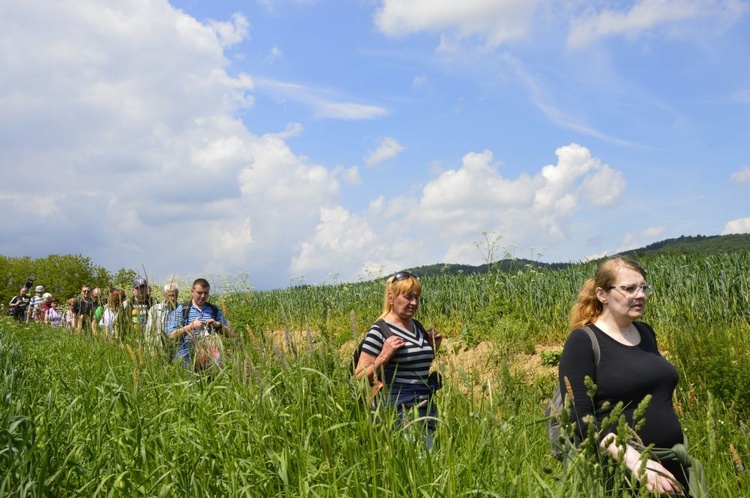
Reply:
x=467, y=365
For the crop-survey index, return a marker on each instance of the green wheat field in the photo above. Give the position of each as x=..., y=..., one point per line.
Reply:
x=82, y=416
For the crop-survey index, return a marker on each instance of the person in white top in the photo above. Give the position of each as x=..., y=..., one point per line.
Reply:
x=111, y=320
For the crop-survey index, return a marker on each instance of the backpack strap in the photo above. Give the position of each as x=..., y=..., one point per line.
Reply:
x=186, y=311
x=594, y=344
x=385, y=330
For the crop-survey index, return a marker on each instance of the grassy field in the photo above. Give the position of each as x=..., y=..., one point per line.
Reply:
x=80, y=416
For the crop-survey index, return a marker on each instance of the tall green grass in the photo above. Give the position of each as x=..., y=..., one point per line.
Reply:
x=80, y=416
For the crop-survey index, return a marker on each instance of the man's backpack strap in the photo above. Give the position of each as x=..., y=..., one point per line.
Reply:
x=186, y=311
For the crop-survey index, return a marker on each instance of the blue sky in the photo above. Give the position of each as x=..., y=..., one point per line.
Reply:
x=316, y=141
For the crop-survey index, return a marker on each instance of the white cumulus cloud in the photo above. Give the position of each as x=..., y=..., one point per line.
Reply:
x=740, y=225
x=340, y=240
x=476, y=197
x=128, y=113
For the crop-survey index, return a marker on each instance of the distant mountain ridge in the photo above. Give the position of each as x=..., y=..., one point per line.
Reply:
x=706, y=244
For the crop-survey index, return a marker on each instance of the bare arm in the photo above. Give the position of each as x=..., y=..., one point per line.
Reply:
x=371, y=366
x=655, y=477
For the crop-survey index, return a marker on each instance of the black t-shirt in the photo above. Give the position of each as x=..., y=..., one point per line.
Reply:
x=84, y=307
x=20, y=301
x=627, y=374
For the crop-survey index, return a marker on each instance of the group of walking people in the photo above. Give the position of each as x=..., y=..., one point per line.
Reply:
x=396, y=358
x=185, y=332
x=39, y=308
x=396, y=362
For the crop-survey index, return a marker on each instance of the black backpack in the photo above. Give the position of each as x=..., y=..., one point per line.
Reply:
x=556, y=405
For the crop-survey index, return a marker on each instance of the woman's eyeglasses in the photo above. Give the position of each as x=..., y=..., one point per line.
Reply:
x=632, y=290
x=403, y=275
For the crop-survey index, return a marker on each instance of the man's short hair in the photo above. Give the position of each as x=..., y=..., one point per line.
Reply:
x=171, y=286
x=202, y=282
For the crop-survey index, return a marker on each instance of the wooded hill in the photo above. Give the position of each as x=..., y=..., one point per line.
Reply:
x=707, y=244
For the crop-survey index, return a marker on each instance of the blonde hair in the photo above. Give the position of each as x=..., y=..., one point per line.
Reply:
x=408, y=285
x=587, y=307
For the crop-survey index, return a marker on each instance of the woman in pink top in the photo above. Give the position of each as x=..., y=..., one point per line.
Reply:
x=53, y=316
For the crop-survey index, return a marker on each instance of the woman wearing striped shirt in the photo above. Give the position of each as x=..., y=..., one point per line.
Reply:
x=402, y=361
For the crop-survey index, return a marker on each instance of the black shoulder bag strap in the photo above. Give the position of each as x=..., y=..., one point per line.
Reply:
x=186, y=311
x=385, y=330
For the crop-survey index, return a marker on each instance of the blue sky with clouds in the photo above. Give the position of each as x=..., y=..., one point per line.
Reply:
x=312, y=141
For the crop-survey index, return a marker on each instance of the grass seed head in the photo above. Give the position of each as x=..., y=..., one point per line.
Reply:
x=736, y=458
x=568, y=388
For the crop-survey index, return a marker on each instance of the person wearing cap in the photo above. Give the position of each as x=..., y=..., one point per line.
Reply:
x=41, y=311
x=139, y=305
x=35, y=303
x=18, y=304
x=83, y=311
x=46, y=301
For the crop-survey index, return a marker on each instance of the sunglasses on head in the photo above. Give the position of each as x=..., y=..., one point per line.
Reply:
x=403, y=275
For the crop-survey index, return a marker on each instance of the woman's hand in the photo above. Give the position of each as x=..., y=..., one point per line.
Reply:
x=390, y=346
x=369, y=365
x=660, y=480
x=656, y=478
x=435, y=338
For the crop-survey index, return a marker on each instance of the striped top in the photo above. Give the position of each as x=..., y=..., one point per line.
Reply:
x=409, y=365
x=185, y=342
